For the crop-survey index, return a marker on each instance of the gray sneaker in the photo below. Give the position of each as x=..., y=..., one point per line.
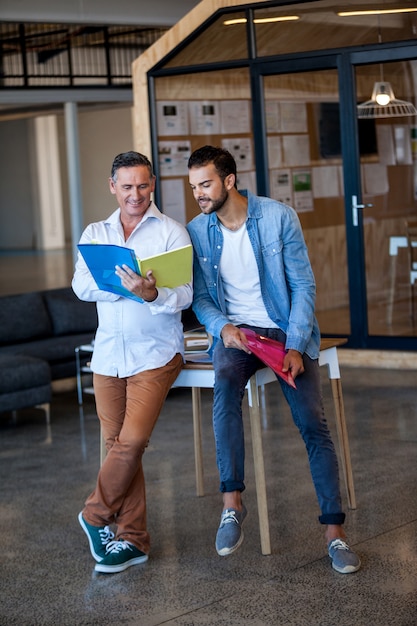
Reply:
x=230, y=533
x=98, y=538
x=344, y=560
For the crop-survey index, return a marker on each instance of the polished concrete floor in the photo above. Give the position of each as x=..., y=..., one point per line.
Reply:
x=47, y=576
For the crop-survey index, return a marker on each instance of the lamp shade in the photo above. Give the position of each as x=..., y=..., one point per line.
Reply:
x=383, y=103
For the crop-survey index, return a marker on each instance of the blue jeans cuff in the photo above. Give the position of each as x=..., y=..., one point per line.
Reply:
x=332, y=518
x=231, y=485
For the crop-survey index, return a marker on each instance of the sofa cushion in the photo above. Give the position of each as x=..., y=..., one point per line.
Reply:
x=23, y=372
x=23, y=317
x=59, y=352
x=70, y=315
x=50, y=348
x=24, y=398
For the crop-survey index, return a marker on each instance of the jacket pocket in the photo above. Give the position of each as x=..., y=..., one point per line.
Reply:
x=273, y=248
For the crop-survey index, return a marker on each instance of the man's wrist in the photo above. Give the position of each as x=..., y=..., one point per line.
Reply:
x=221, y=332
x=156, y=295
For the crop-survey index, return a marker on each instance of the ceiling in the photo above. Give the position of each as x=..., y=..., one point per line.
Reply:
x=49, y=28
x=132, y=25
x=138, y=12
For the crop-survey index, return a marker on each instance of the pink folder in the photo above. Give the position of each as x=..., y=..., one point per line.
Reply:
x=270, y=351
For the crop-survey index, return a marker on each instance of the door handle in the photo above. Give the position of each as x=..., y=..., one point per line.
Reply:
x=355, y=207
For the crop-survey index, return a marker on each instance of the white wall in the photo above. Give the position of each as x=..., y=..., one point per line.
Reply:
x=18, y=228
x=141, y=12
x=102, y=135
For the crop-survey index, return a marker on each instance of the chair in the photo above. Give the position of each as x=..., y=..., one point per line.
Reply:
x=199, y=374
x=411, y=230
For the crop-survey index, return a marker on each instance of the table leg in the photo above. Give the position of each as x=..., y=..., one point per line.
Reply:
x=343, y=438
x=198, y=447
x=258, y=458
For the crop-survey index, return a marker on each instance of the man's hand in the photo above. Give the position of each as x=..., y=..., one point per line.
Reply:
x=293, y=363
x=234, y=338
x=142, y=286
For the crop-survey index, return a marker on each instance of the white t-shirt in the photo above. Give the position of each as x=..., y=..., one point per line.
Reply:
x=240, y=276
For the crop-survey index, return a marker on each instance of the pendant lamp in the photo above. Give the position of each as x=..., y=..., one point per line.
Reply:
x=383, y=103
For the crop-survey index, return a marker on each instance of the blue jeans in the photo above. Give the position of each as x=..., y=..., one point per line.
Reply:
x=233, y=368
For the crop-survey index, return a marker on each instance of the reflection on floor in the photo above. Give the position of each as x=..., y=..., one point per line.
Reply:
x=47, y=573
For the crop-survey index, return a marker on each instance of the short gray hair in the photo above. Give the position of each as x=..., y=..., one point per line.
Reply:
x=130, y=159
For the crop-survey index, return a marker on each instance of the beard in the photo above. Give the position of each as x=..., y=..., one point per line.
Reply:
x=216, y=204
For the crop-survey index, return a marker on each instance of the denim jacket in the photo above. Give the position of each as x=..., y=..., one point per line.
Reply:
x=286, y=278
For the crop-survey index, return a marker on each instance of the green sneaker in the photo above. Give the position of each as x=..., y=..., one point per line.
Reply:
x=98, y=538
x=120, y=555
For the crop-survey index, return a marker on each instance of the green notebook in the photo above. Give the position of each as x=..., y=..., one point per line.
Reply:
x=171, y=268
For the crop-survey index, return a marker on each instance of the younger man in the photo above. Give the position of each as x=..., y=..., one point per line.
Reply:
x=251, y=269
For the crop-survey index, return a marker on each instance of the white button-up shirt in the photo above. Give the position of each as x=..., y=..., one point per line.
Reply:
x=134, y=336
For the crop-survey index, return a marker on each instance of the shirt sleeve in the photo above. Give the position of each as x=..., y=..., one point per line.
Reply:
x=83, y=283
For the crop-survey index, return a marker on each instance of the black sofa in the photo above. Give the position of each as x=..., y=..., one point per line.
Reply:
x=39, y=332
x=46, y=325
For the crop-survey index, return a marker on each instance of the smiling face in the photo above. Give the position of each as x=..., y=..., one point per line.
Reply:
x=210, y=191
x=133, y=188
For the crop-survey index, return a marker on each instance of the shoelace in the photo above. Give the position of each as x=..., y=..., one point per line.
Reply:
x=106, y=535
x=228, y=517
x=338, y=544
x=118, y=546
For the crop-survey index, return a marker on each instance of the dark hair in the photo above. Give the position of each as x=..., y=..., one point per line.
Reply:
x=129, y=159
x=222, y=160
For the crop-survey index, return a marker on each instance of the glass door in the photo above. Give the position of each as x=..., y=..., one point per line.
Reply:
x=388, y=167
x=353, y=182
x=305, y=170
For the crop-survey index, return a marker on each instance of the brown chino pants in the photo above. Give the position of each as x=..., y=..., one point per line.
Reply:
x=128, y=409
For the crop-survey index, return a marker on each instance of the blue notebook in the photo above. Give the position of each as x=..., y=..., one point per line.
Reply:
x=101, y=260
